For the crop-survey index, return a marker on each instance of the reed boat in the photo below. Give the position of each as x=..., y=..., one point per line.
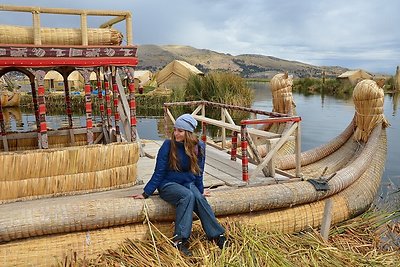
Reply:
x=10, y=99
x=67, y=191
x=290, y=198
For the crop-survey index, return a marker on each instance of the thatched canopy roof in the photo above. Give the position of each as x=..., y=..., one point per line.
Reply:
x=176, y=70
x=354, y=76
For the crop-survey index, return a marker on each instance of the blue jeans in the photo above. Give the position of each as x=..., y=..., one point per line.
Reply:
x=186, y=200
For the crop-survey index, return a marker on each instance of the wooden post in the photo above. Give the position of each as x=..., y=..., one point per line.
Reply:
x=68, y=108
x=271, y=165
x=67, y=98
x=3, y=128
x=84, y=29
x=37, y=39
x=223, y=131
x=166, y=130
x=129, y=36
x=35, y=103
x=326, y=220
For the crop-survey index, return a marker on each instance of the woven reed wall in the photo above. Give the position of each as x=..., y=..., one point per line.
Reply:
x=46, y=250
x=57, y=141
x=59, y=36
x=65, y=171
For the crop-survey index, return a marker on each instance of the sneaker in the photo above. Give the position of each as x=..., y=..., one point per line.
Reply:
x=221, y=241
x=183, y=246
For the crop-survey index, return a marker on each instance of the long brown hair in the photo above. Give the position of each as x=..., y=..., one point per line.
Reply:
x=192, y=149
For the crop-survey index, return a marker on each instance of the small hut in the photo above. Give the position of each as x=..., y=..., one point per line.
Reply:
x=142, y=78
x=55, y=81
x=352, y=77
x=176, y=74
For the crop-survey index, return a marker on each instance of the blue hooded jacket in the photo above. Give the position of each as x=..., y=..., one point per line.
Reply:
x=163, y=174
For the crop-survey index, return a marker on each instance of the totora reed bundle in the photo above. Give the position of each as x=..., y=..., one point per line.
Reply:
x=368, y=99
x=281, y=88
x=10, y=34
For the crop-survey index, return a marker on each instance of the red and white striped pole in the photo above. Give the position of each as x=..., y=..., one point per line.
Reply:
x=132, y=102
x=43, y=139
x=245, y=160
x=234, y=145
x=115, y=98
x=88, y=104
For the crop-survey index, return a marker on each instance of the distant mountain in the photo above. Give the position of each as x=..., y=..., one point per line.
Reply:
x=154, y=58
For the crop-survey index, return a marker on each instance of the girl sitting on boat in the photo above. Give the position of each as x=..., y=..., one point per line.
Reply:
x=178, y=176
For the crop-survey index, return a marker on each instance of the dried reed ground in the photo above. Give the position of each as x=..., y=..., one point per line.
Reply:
x=372, y=239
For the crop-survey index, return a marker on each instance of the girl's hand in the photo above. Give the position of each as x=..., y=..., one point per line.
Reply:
x=207, y=193
x=138, y=196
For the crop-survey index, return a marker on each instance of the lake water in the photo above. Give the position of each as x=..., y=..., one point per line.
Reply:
x=323, y=118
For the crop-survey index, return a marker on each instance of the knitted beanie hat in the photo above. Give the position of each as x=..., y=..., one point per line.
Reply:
x=186, y=122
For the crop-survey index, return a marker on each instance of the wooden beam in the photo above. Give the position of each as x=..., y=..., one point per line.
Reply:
x=236, y=128
x=68, y=11
x=111, y=22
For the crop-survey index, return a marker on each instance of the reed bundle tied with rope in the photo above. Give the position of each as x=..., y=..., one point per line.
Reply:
x=368, y=99
x=37, y=173
x=281, y=88
x=10, y=34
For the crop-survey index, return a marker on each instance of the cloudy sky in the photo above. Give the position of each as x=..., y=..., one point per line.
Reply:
x=352, y=33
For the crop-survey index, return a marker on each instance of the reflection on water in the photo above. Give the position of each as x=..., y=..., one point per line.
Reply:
x=323, y=118
x=395, y=101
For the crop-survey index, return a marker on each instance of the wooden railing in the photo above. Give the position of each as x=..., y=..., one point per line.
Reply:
x=83, y=13
x=274, y=141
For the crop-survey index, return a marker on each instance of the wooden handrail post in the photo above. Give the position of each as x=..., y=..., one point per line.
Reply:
x=245, y=160
x=298, y=150
x=223, y=131
x=203, y=124
x=166, y=121
x=234, y=145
